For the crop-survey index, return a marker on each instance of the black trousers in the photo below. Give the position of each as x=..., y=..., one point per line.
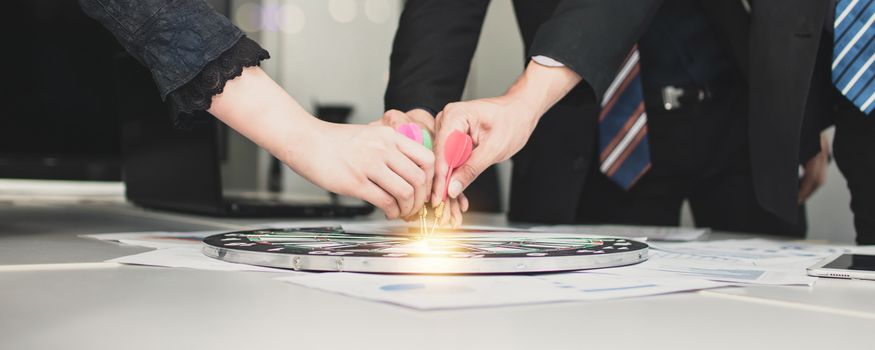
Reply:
x=854, y=150
x=699, y=153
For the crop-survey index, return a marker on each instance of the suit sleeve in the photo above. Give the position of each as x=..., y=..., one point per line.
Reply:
x=174, y=39
x=432, y=52
x=593, y=37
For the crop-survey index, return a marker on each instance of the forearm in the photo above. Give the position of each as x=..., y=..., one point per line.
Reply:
x=592, y=37
x=374, y=163
x=432, y=52
x=541, y=87
x=262, y=111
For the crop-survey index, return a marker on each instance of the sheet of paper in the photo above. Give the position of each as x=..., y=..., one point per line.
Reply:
x=752, y=251
x=743, y=261
x=189, y=257
x=163, y=239
x=741, y=274
x=450, y=292
x=156, y=239
x=677, y=234
x=599, y=286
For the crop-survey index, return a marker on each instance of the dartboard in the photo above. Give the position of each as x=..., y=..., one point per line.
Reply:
x=332, y=249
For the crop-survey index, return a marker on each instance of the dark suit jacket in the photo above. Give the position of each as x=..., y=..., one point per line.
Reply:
x=785, y=58
x=776, y=51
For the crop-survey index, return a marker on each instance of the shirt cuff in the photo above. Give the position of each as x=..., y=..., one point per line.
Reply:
x=547, y=61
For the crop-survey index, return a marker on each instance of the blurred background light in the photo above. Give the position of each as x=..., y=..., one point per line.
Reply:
x=291, y=19
x=378, y=11
x=343, y=11
x=248, y=17
x=270, y=17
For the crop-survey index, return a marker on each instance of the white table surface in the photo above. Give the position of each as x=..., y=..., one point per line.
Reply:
x=131, y=307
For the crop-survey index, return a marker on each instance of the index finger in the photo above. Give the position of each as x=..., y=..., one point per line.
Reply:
x=422, y=157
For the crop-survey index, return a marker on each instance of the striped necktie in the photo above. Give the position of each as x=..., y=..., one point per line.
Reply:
x=854, y=53
x=623, y=146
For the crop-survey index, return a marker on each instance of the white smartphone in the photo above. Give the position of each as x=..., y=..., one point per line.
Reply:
x=851, y=266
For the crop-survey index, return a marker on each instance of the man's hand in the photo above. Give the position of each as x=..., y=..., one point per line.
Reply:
x=374, y=163
x=394, y=118
x=814, y=171
x=499, y=126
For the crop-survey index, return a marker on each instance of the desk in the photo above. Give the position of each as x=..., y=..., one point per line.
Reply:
x=133, y=307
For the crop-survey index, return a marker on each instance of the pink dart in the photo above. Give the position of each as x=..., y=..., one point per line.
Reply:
x=412, y=131
x=456, y=150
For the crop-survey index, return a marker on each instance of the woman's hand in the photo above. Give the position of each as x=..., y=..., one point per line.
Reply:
x=374, y=163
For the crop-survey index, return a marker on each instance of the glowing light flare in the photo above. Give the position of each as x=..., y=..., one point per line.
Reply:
x=253, y=17
x=378, y=11
x=343, y=11
x=422, y=246
x=438, y=246
x=434, y=264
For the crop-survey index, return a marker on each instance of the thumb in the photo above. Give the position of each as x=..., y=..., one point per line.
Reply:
x=465, y=174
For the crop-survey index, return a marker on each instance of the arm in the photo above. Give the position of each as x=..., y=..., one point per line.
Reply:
x=592, y=37
x=436, y=40
x=174, y=39
x=432, y=53
x=370, y=162
x=177, y=39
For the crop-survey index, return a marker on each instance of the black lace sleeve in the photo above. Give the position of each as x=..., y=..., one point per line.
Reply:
x=197, y=94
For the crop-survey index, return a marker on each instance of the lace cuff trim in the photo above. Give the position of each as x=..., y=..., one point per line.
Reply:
x=197, y=94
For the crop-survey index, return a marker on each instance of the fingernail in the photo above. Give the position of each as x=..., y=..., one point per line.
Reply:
x=455, y=189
